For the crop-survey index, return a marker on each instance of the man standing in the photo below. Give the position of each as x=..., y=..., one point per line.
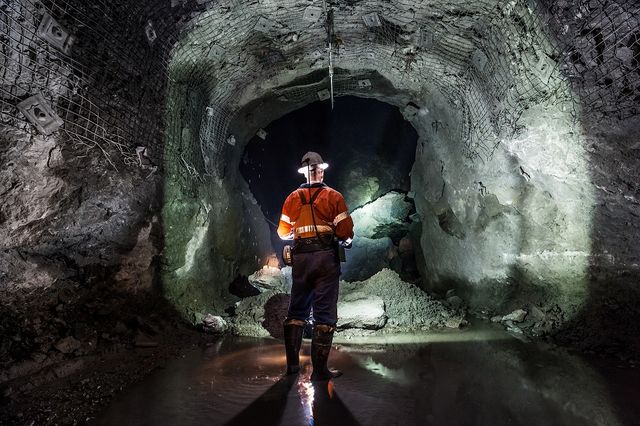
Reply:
x=316, y=218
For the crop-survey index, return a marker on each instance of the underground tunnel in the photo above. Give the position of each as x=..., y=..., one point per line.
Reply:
x=487, y=152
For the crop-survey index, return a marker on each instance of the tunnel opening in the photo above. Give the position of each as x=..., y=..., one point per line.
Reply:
x=370, y=148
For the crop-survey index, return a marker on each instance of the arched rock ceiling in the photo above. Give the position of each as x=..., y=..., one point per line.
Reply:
x=487, y=59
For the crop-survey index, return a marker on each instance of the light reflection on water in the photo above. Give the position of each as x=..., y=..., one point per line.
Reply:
x=306, y=393
x=441, y=382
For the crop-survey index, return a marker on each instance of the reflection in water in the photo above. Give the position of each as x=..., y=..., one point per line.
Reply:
x=446, y=381
x=397, y=375
x=320, y=402
x=306, y=392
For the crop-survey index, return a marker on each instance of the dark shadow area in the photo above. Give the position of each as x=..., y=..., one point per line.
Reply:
x=275, y=311
x=608, y=323
x=269, y=407
x=328, y=408
x=66, y=350
x=242, y=288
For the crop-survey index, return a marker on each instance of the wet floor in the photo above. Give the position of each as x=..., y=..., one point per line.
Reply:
x=478, y=376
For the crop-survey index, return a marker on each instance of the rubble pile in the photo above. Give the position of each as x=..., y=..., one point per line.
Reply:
x=383, y=302
x=406, y=306
x=89, y=341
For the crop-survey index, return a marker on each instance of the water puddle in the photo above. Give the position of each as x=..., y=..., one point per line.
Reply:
x=476, y=376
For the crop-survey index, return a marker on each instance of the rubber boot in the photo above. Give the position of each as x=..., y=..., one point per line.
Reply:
x=320, y=349
x=292, y=342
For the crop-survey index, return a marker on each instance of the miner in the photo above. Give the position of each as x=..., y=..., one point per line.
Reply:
x=316, y=218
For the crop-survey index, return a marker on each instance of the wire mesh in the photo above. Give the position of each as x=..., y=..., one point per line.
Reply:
x=106, y=89
x=490, y=60
x=603, y=58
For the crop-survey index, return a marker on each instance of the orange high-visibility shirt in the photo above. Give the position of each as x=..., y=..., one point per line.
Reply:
x=329, y=208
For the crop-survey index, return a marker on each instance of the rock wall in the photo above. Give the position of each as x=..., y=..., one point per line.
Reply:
x=523, y=178
x=76, y=196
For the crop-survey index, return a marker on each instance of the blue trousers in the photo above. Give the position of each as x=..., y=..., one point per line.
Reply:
x=315, y=283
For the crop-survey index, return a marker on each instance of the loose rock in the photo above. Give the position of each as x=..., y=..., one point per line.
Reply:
x=68, y=345
x=516, y=316
x=269, y=279
x=214, y=324
x=361, y=310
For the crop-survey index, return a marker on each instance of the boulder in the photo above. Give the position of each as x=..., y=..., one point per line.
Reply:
x=386, y=216
x=214, y=324
x=455, y=322
x=361, y=310
x=269, y=279
x=537, y=314
x=516, y=316
x=250, y=314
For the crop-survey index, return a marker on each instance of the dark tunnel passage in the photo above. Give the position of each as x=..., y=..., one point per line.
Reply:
x=488, y=154
x=370, y=148
x=357, y=134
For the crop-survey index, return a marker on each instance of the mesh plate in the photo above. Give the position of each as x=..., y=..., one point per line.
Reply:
x=489, y=60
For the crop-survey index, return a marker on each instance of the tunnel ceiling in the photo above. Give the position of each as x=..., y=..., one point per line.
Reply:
x=489, y=60
x=486, y=59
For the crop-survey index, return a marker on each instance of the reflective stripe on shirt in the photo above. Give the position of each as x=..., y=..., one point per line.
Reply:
x=342, y=216
x=311, y=228
x=286, y=219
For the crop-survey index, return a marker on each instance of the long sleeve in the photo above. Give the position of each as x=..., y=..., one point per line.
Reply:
x=342, y=220
x=285, y=225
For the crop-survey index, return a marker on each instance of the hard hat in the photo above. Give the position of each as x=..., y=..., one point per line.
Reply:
x=311, y=159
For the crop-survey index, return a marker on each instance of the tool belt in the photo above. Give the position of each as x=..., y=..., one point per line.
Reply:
x=308, y=245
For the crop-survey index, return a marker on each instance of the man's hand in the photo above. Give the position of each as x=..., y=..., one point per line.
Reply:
x=346, y=243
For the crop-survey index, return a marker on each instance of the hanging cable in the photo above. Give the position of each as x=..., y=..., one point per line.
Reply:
x=330, y=37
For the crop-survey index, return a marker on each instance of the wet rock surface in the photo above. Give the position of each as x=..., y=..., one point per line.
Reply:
x=66, y=350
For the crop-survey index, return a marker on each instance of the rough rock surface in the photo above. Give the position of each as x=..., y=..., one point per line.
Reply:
x=270, y=279
x=214, y=324
x=525, y=178
x=382, y=301
x=384, y=216
x=406, y=306
x=361, y=310
x=379, y=226
x=366, y=257
x=516, y=316
x=251, y=313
